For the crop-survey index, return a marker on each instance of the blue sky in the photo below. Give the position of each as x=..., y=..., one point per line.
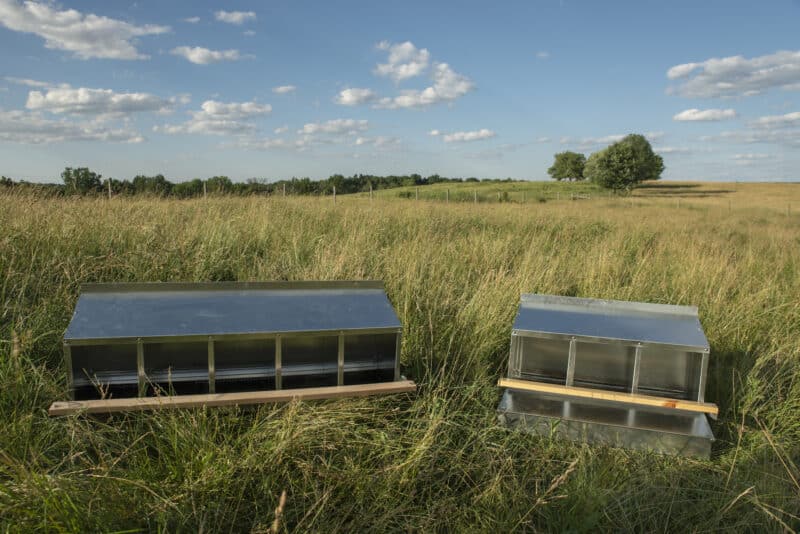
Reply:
x=291, y=88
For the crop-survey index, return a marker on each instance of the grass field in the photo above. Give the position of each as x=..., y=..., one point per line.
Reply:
x=435, y=461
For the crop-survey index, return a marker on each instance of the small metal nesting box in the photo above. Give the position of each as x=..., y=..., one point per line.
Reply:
x=140, y=340
x=625, y=374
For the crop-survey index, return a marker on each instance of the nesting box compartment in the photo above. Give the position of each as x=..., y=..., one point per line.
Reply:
x=204, y=340
x=622, y=373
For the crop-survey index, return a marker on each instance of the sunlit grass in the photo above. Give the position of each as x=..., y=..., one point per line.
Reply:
x=432, y=461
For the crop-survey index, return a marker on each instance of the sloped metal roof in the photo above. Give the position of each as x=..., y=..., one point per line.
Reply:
x=611, y=320
x=155, y=310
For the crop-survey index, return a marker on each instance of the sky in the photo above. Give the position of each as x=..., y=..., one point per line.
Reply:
x=279, y=88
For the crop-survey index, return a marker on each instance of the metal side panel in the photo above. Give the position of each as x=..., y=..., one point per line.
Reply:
x=588, y=420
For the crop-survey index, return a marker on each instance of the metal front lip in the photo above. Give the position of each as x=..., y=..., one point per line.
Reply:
x=563, y=407
x=229, y=337
x=231, y=373
x=228, y=286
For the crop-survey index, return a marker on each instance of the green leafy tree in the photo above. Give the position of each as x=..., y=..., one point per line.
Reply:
x=153, y=185
x=81, y=181
x=219, y=184
x=623, y=165
x=568, y=166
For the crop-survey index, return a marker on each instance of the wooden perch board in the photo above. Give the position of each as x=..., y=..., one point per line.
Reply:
x=229, y=399
x=628, y=398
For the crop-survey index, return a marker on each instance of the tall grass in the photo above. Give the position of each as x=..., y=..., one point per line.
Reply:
x=434, y=461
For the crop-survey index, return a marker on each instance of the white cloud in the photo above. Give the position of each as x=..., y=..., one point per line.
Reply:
x=281, y=129
x=284, y=89
x=448, y=85
x=750, y=156
x=778, y=121
x=695, y=114
x=542, y=54
x=378, y=142
x=475, y=135
x=85, y=35
x=543, y=139
x=737, y=75
x=204, y=56
x=83, y=100
x=405, y=61
x=28, y=82
x=587, y=143
x=235, y=17
x=434, y=133
x=672, y=150
x=220, y=118
x=763, y=135
x=33, y=128
x=191, y=20
x=354, y=96
x=248, y=33
x=335, y=126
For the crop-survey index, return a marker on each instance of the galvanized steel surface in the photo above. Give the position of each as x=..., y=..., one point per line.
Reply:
x=611, y=320
x=111, y=311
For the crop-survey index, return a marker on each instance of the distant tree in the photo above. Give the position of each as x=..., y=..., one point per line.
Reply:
x=219, y=184
x=191, y=188
x=6, y=182
x=153, y=185
x=81, y=181
x=568, y=166
x=624, y=164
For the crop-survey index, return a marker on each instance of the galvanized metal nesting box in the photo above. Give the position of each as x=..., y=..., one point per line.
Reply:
x=625, y=374
x=196, y=342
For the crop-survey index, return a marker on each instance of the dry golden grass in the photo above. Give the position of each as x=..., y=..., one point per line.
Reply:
x=437, y=460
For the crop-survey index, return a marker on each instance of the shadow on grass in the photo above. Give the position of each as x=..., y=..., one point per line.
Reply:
x=727, y=375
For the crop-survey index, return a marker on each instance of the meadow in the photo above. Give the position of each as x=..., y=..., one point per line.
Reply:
x=436, y=460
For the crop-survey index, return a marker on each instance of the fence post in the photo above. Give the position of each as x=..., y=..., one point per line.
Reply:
x=447, y=196
x=334, y=194
x=370, y=191
x=205, y=192
x=416, y=192
x=109, y=189
x=284, y=189
x=475, y=196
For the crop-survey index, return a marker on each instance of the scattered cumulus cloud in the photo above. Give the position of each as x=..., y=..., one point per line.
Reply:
x=475, y=135
x=284, y=89
x=86, y=36
x=405, y=61
x=281, y=129
x=235, y=17
x=377, y=142
x=83, y=100
x=543, y=139
x=27, y=82
x=335, y=126
x=778, y=121
x=542, y=54
x=354, y=96
x=737, y=75
x=220, y=118
x=588, y=143
x=448, y=85
x=695, y=114
x=249, y=33
x=434, y=133
x=191, y=20
x=33, y=128
x=750, y=156
x=203, y=56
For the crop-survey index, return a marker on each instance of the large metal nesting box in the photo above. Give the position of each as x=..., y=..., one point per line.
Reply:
x=622, y=373
x=156, y=339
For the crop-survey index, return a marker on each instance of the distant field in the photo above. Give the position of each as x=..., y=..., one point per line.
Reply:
x=435, y=461
x=777, y=196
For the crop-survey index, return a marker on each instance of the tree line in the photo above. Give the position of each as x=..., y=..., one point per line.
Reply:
x=83, y=181
x=621, y=166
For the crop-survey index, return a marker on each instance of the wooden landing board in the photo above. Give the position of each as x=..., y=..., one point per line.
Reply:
x=628, y=398
x=229, y=399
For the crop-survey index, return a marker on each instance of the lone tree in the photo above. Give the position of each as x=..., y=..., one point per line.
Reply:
x=623, y=165
x=568, y=166
x=81, y=180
